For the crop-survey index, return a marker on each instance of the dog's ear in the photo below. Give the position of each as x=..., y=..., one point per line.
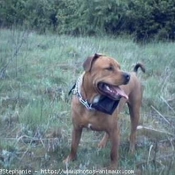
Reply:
x=87, y=65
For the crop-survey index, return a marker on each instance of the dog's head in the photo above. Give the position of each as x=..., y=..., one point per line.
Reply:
x=106, y=76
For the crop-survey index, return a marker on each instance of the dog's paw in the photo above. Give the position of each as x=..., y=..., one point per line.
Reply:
x=102, y=144
x=67, y=160
x=131, y=149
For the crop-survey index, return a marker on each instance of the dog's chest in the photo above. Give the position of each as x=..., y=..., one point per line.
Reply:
x=90, y=119
x=95, y=122
x=94, y=127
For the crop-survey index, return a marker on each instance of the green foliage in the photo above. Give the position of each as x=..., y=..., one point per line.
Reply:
x=151, y=19
x=145, y=20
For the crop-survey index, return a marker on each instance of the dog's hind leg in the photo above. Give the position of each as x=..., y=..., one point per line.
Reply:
x=134, y=110
x=104, y=141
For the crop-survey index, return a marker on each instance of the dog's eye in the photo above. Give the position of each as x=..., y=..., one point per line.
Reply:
x=110, y=68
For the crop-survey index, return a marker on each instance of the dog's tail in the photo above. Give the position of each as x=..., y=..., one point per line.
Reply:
x=139, y=65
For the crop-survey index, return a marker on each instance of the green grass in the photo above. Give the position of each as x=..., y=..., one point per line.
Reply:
x=36, y=73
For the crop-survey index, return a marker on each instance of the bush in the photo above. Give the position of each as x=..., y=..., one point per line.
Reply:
x=37, y=15
x=145, y=20
x=151, y=19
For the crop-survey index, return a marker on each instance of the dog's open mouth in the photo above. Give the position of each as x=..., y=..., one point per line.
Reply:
x=113, y=92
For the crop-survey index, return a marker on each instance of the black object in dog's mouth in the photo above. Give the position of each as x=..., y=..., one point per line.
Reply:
x=113, y=92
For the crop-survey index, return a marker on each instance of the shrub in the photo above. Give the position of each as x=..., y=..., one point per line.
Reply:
x=145, y=20
x=151, y=19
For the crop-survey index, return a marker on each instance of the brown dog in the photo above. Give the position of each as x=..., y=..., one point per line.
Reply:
x=103, y=77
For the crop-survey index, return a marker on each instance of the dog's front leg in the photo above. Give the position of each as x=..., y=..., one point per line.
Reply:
x=76, y=135
x=115, y=142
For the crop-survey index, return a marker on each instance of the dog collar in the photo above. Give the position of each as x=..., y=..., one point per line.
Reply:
x=76, y=91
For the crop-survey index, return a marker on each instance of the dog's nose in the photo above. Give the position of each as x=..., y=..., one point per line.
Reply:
x=126, y=77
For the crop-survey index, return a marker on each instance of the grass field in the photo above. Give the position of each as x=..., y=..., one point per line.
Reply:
x=36, y=73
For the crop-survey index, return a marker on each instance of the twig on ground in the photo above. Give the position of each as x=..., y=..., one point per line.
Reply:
x=27, y=148
x=166, y=102
x=149, y=153
x=149, y=130
x=160, y=114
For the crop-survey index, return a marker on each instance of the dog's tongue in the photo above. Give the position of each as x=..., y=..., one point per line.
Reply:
x=115, y=91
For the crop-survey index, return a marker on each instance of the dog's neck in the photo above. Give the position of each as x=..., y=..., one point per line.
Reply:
x=80, y=89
